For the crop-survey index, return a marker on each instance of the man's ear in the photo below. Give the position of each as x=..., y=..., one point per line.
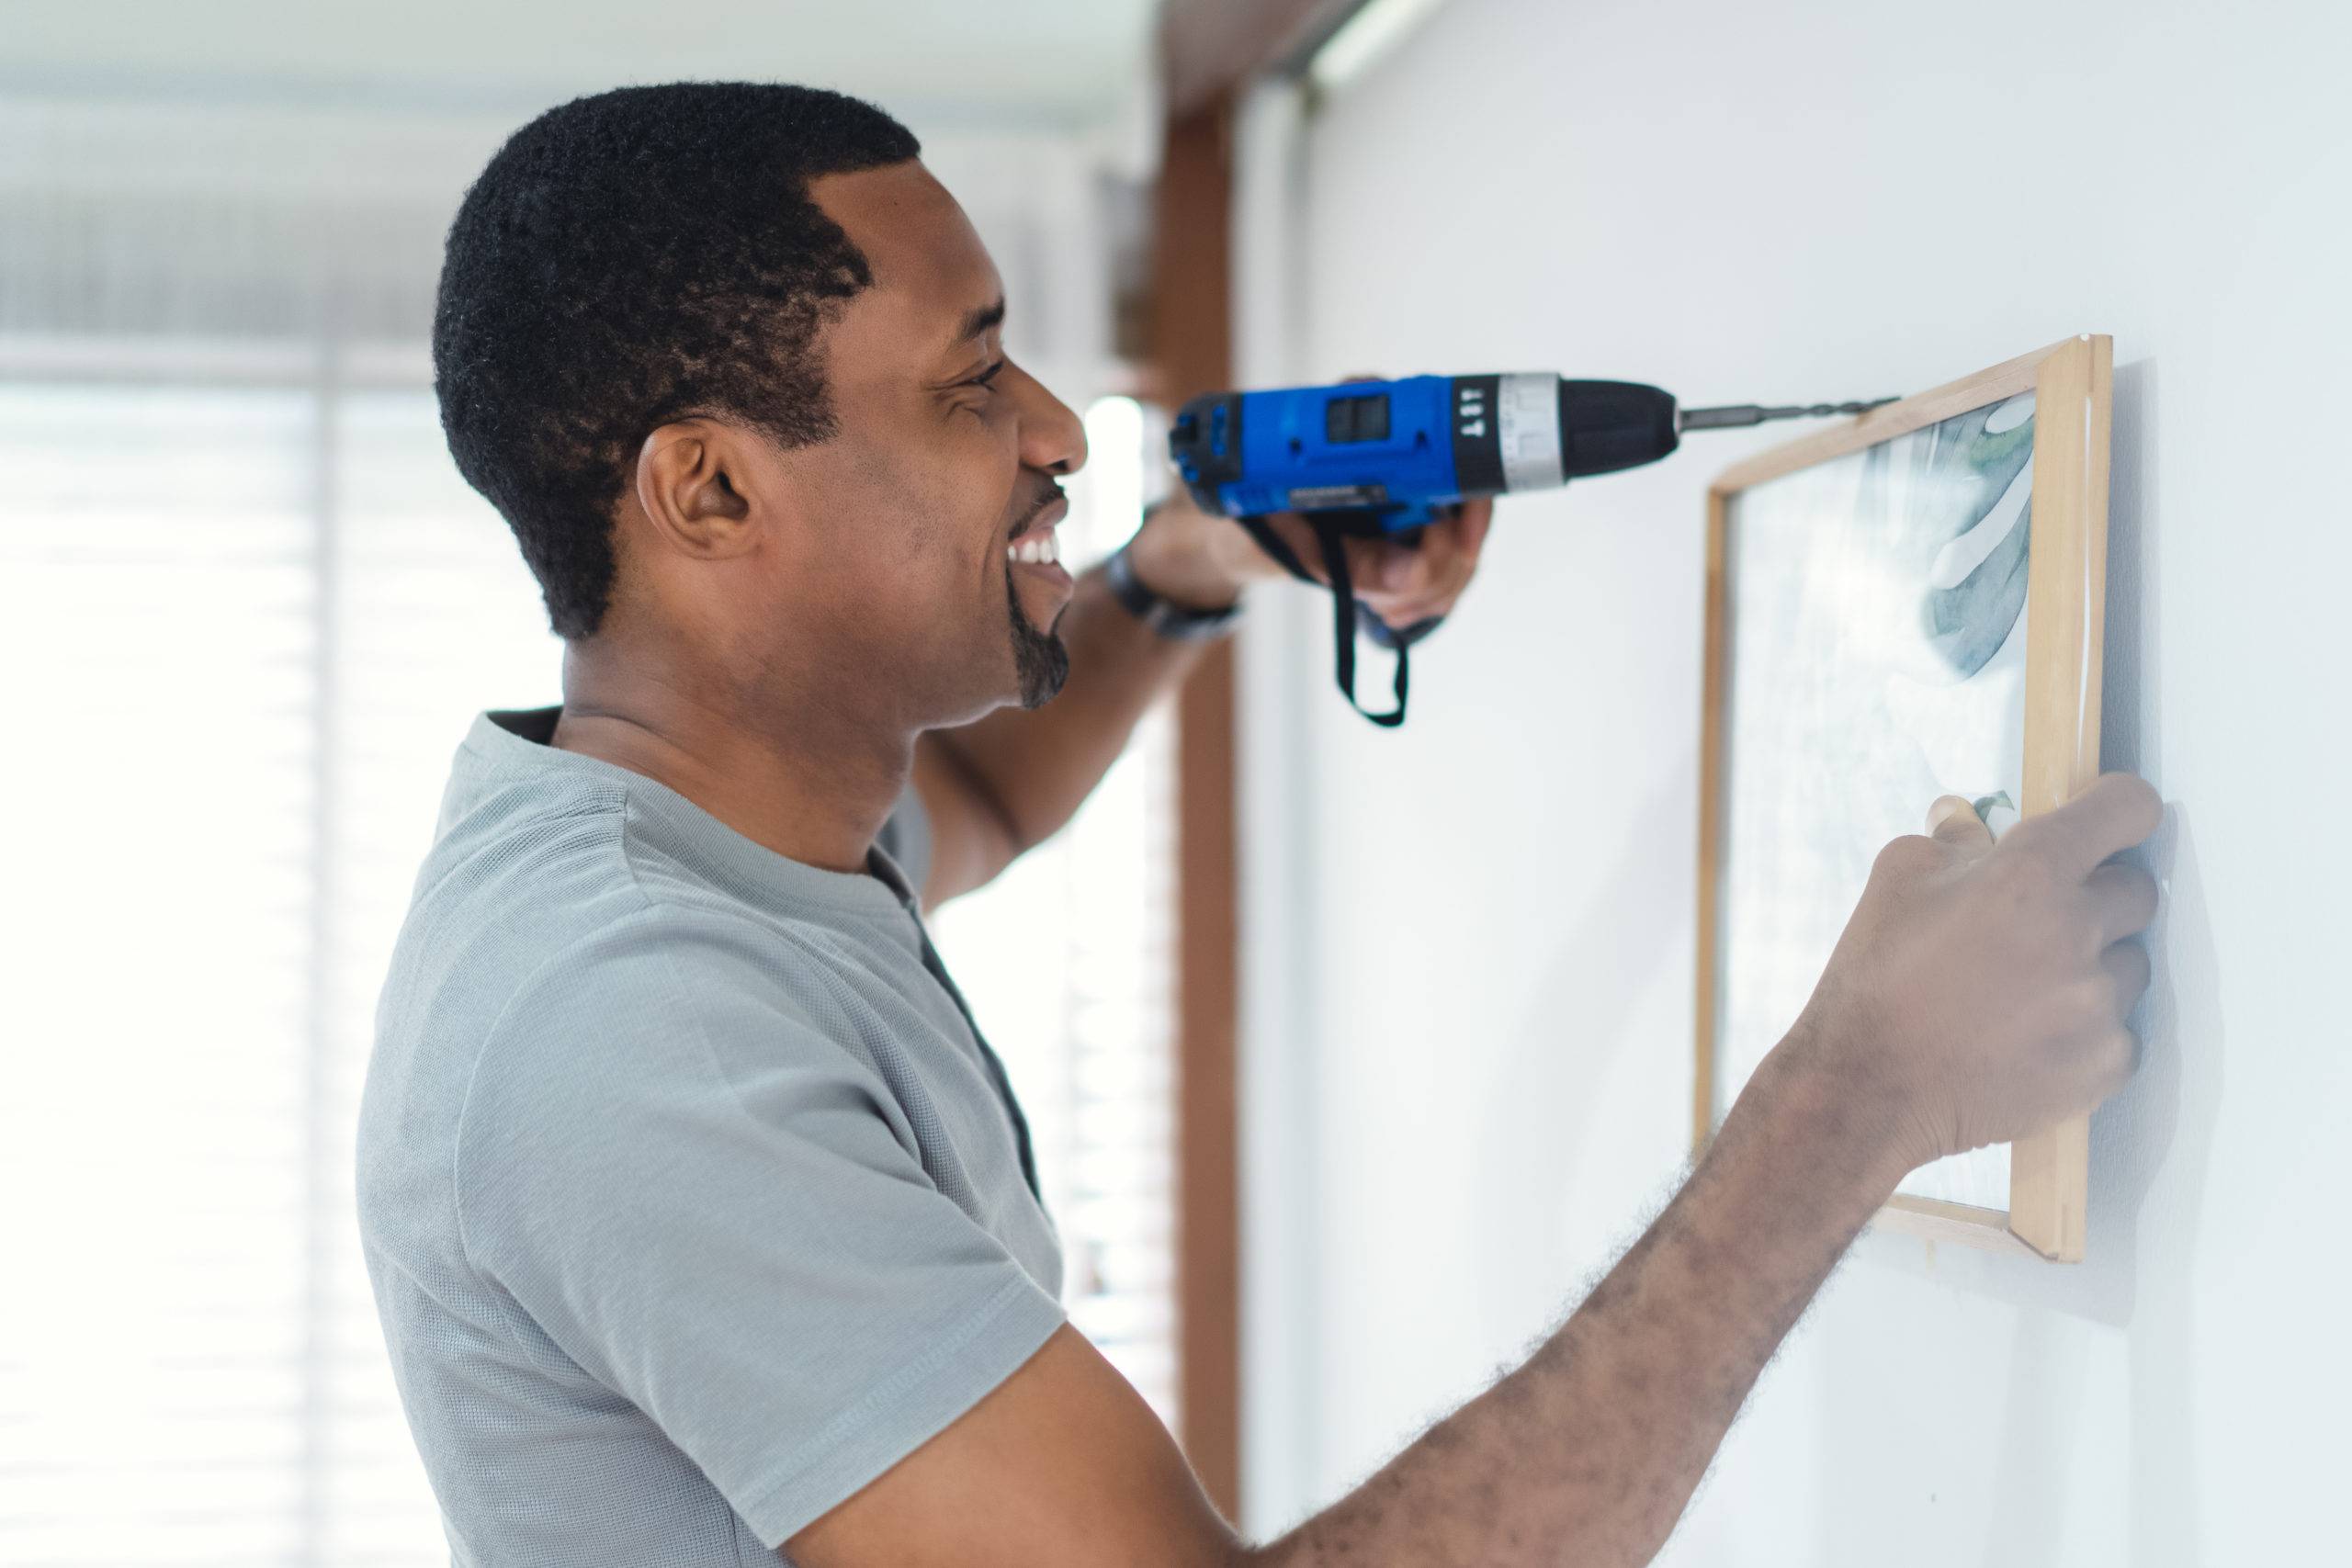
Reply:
x=696, y=485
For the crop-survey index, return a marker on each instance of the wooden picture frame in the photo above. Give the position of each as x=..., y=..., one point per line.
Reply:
x=2065, y=592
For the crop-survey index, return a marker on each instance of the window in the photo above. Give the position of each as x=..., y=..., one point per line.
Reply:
x=245, y=623
x=247, y=610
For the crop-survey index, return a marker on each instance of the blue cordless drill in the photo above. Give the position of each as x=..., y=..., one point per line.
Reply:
x=1379, y=458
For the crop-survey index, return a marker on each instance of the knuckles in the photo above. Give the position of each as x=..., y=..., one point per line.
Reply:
x=2027, y=868
x=2116, y=1060
x=1908, y=858
x=2132, y=894
x=2087, y=1006
x=2028, y=892
x=2130, y=969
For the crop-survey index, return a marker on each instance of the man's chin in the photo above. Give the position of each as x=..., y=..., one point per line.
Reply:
x=1041, y=660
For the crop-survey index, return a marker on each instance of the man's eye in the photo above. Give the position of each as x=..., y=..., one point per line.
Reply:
x=990, y=374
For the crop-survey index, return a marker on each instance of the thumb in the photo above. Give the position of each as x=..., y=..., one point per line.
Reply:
x=1952, y=820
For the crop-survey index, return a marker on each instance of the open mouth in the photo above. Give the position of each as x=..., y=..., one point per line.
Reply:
x=1039, y=546
x=1036, y=545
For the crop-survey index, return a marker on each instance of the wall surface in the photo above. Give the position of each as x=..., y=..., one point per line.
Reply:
x=1470, y=942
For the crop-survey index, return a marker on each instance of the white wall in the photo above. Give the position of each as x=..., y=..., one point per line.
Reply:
x=1470, y=942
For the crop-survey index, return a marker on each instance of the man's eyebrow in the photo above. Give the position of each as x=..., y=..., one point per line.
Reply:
x=978, y=321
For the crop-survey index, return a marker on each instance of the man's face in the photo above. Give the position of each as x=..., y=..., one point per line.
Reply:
x=900, y=562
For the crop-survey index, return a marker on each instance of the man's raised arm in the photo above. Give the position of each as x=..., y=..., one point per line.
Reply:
x=1005, y=783
x=1977, y=993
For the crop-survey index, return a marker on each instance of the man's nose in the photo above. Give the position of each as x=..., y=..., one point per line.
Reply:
x=1052, y=436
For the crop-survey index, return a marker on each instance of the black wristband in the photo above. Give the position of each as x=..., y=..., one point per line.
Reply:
x=1164, y=616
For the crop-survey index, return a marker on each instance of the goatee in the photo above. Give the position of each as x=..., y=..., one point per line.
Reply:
x=1040, y=661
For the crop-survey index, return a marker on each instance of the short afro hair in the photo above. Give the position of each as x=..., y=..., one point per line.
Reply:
x=631, y=258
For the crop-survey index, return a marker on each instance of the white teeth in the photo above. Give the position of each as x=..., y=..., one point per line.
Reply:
x=1036, y=547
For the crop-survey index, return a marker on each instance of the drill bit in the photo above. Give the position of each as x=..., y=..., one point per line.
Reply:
x=1756, y=413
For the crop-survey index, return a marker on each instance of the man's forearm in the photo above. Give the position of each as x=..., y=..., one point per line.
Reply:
x=1034, y=767
x=1587, y=1453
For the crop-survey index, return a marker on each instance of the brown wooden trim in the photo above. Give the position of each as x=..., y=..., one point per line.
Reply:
x=1210, y=52
x=1191, y=317
x=1208, y=1262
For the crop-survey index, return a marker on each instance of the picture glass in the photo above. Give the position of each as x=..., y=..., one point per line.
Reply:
x=1875, y=612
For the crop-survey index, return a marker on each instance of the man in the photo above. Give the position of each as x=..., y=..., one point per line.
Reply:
x=700, y=1214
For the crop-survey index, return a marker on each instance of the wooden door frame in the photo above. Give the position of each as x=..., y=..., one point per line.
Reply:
x=1210, y=50
x=1191, y=352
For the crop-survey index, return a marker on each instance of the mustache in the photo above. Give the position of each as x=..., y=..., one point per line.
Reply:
x=1049, y=493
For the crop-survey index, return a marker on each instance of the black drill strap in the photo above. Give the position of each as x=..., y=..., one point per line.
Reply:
x=1330, y=533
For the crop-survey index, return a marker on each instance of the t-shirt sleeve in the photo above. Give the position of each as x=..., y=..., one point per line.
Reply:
x=906, y=836
x=702, y=1201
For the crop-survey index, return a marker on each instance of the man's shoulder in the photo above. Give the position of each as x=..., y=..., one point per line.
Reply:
x=540, y=1032
x=583, y=949
x=576, y=933
x=543, y=929
x=522, y=866
x=520, y=871
x=545, y=866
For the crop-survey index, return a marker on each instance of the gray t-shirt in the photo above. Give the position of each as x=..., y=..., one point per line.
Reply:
x=691, y=1200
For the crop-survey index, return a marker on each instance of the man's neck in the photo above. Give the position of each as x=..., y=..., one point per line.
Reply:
x=800, y=779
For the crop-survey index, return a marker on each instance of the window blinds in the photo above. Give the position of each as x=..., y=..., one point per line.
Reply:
x=190, y=1371
x=245, y=620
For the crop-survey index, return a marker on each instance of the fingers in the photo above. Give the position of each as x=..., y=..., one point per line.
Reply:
x=1375, y=567
x=2123, y=900
x=2128, y=969
x=1390, y=569
x=2116, y=812
x=1952, y=820
x=1402, y=583
x=1475, y=517
x=2112, y=1053
x=1406, y=584
x=1293, y=531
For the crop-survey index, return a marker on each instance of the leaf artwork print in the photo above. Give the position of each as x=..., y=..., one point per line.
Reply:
x=1875, y=612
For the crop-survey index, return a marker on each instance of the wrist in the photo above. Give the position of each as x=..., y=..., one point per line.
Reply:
x=1163, y=617
x=1818, y=1099
x=1180, y=554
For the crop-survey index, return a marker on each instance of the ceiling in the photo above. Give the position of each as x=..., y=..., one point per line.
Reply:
x=1063, y=63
